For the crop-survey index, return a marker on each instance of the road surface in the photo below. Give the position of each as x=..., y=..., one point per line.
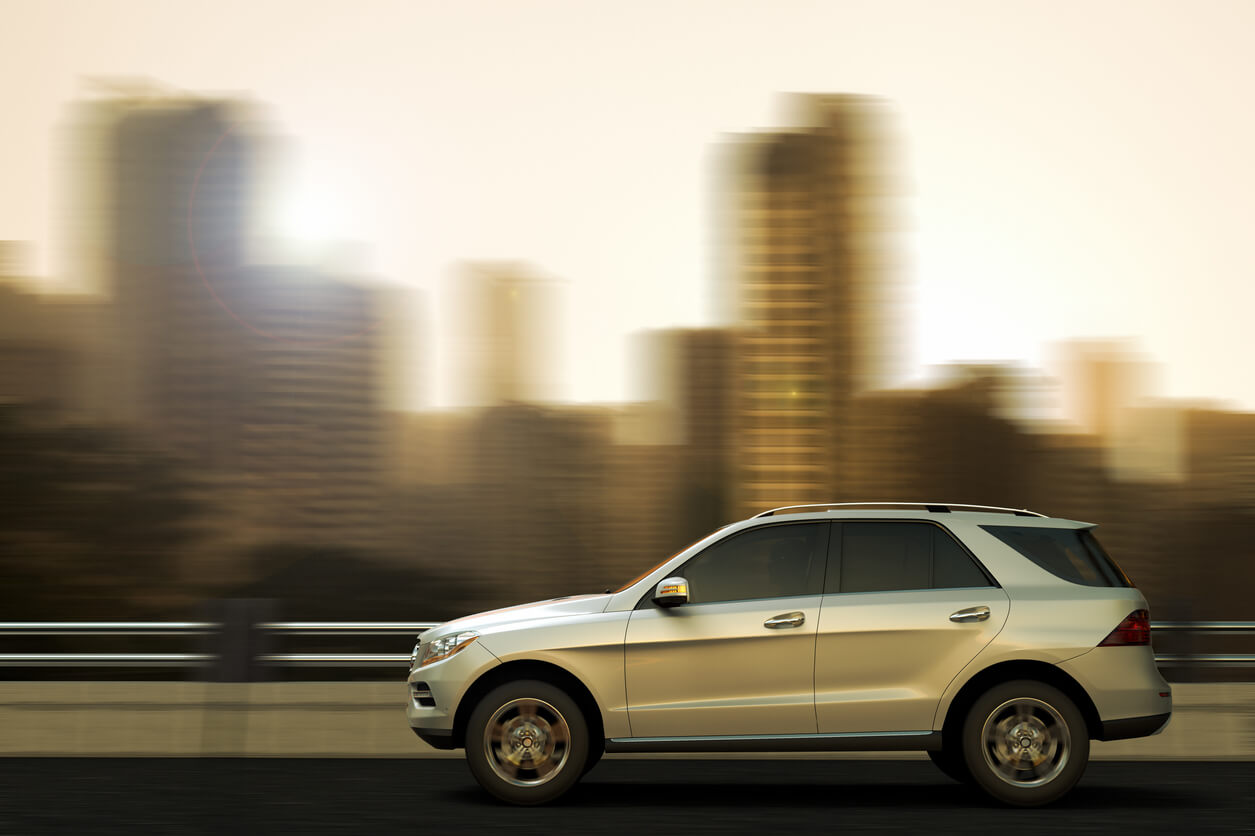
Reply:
x=170, y=796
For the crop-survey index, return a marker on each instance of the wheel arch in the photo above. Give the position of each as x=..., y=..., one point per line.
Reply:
x=529, y=669
x=1009, y=671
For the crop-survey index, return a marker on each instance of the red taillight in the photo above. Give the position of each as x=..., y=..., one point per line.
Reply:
x=1134, y=630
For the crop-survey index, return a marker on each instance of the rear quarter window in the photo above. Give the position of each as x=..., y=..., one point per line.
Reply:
x=1073, y=554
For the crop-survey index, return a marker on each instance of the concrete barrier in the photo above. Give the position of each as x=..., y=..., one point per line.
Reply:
x=1211, y=721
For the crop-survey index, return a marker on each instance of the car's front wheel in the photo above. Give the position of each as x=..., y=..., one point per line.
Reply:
x=1025, y=743
x=527, y=742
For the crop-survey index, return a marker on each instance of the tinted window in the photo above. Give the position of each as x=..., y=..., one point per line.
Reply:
x=771, y=562
x=953, y=567
x=876, y=557
x=1073, y=554
x=884, y=557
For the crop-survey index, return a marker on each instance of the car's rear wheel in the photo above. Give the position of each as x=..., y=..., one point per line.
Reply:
x=950, y=762
x=1025, y=743
x=527, y=742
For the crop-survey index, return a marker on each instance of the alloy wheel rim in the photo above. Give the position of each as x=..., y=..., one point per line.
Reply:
x=1026, y=742
x=527, y=742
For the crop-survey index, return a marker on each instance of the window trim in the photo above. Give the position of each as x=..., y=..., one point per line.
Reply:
x=836, y=558
x=646, y=600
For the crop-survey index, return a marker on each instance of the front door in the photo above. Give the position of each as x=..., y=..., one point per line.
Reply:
x=739, y=658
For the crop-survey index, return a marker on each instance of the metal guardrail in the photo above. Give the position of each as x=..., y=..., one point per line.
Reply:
x=200, y=628
x=1203, y=626
x=377, y=628
x=106, y=628
x=104, y=660
x=1219, y=660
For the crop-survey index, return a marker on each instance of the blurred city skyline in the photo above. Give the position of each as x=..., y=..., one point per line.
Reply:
x=213, y=424
x=1064, y=175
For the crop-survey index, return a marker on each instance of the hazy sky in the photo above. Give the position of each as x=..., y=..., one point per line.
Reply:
x=1071, y=168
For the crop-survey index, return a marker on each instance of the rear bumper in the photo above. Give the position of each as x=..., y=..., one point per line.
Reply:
x=1130, y=696
x=1134, y=726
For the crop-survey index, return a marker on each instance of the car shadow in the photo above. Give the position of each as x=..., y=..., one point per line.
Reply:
x=943, y=794
x=879, y=786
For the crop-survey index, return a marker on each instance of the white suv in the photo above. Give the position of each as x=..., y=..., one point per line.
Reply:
x=998, y=640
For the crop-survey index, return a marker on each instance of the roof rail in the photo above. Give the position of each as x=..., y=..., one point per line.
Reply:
x=931, y=507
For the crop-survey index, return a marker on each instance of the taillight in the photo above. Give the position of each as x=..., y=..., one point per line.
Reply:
x=1134, y=630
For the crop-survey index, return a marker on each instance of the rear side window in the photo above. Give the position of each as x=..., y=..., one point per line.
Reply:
x=895, y=556
x=1073, y=554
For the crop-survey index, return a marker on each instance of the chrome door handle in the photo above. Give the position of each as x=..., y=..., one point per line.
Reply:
x=971, y=614
x=788, y=619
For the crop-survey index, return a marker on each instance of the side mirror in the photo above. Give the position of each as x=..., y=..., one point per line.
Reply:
x=671, y=592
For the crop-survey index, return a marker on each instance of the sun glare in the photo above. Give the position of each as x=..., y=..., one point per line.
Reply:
x=308, y=214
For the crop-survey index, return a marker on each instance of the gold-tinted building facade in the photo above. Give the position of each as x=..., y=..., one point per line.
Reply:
x=808, y=214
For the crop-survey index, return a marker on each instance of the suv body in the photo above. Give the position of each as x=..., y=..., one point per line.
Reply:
x=998, y=640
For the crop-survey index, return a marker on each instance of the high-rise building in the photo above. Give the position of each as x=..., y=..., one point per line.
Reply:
x=264, y=380
x=687, y=374
x=312, y=429
x=49, y=343
x=14, y=258
x=507, y=341
x=170, y=181
x=808, y=208
x=1101, y=380
x=47, y=347
x=1220, y=457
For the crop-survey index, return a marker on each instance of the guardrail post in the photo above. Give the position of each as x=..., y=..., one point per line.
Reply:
x=235, y=649
x=239, y=641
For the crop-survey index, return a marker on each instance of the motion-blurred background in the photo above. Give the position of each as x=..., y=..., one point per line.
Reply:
x=445, y=307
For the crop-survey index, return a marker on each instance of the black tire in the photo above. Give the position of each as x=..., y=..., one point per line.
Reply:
x=951, y=762
x=1025, y=743
x=596, y=748
x=527, y=742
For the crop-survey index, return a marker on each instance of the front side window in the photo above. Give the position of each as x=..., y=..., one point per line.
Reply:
x=896, y=556
x=774, y=561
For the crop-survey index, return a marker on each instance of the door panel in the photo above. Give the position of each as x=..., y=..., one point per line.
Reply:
x=716, y=669
x=883, y=659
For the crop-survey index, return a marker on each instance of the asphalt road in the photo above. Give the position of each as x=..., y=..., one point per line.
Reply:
x=315, y=796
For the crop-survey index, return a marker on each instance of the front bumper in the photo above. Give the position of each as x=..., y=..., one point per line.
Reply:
x=437, y=738
x=441, y=687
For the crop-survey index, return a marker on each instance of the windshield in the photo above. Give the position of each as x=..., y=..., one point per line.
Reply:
x=660, y=564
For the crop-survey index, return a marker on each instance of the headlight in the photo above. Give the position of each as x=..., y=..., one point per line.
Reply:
x=445, y=646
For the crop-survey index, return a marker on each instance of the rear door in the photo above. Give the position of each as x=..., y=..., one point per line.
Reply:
x=905, y=607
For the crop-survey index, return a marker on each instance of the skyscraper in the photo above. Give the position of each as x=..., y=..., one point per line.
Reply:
x=46, y=348
x=264, y=379
x=507, y=340
x=174, y=179
x=810, y=279
x=311, y=438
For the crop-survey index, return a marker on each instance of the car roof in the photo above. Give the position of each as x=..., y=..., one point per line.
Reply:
x=934, y=512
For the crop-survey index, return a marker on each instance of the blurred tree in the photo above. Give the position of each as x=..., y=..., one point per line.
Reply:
x=321, y=583
x=91, y=524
